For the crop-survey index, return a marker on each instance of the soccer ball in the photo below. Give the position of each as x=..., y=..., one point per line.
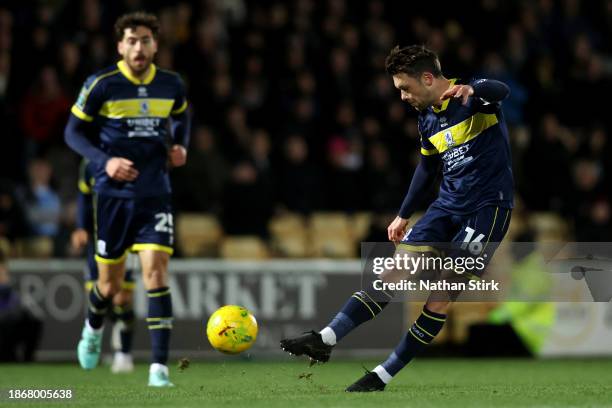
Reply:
x=231, y=329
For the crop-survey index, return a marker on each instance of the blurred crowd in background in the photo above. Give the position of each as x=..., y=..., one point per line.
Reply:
x=293, y=111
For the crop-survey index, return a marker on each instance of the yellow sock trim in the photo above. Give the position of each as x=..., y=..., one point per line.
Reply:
x=433, y=318
x=423, y=330
x=417, y=337
x=373, y=301
x=366, y=305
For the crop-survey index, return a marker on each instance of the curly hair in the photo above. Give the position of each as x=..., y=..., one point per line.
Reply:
x=135, y=19
x=412, y=60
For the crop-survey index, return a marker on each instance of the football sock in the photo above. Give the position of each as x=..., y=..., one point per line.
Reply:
x=159, y=321
x=125, y=317
x=422, y=332
x=98, y=306
x=360, y=308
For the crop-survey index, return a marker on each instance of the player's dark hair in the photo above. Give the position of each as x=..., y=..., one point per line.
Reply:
x=135, y=19
x=412, y=60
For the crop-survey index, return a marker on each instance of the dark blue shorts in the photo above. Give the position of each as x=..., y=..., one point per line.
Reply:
x=475, y=234
x=132, y=224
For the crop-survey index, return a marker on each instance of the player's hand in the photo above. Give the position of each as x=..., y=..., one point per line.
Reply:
x=121, y=169
x=79, y=238
x=458, y=91
x=397, y=228
x=177, y=155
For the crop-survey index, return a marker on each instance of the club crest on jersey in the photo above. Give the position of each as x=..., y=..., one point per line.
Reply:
x=144, y=108
x=142, y=92
x=448, y=136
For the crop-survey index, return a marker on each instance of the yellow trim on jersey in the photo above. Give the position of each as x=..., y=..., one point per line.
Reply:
x=111, y=261
x=154, y=247
x=125, y=70
x=419, y=248
x=180, y=110
x=428, y=152
x=490, y=232
x=463, y=131
x=135, y=108
x=446, y=101
x=160, y=326
x=84, y=187
x=76, y=111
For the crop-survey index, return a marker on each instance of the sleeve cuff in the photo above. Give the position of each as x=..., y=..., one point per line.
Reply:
x=80, y=114
x=180, y=110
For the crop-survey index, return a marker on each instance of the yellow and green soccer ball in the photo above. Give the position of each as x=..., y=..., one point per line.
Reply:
x=231, y=329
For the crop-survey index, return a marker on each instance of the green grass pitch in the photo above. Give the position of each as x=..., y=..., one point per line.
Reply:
x=291, y=383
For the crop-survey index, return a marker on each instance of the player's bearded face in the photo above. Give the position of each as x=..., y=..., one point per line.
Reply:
x=138, y=47
x=415, y=91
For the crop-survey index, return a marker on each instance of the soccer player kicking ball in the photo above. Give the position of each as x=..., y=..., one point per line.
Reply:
x=122, y=311
x=120, y=124
x=462, y=129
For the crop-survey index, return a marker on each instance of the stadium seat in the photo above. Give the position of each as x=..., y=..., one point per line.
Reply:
x=288, y=223
x=361, y=225
x=198, y=234
x=243, y=247
x=5, y=247
x=288, y=236
x=35, y=247
x=331, y=236
x=333, y=246
x=332, y=222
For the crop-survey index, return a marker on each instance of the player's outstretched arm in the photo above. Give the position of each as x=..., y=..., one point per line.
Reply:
x=489, y=90
x=423, y=177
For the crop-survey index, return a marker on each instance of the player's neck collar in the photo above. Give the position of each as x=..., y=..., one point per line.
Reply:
x=446, y=101
x=125, y=70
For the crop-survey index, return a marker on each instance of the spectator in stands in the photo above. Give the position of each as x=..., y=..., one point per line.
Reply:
x=247, y=202
x=43, y=207
x=298, y=180
x=316, y=69
x=198, y=186
x=20, y=330
x=13, y=222
x=44, y=111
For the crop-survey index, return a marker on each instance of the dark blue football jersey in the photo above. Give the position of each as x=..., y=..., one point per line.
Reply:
x=131, y=118
x=472, y=143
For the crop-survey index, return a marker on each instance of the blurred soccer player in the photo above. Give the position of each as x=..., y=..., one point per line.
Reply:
x=463, y=131
x=122, y=311
x=120, y=124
